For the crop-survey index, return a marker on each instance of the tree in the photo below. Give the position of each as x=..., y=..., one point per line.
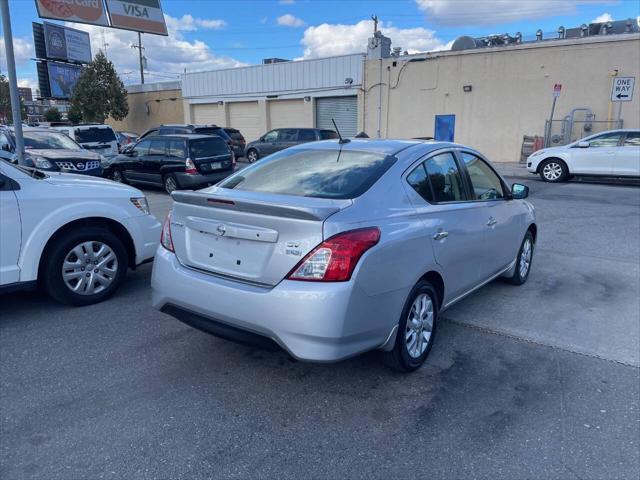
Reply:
x=6, y=115
x=99, y=92
x=74, y=115
x=52, y=115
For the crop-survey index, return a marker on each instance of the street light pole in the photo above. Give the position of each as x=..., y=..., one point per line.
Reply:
x=13, y=82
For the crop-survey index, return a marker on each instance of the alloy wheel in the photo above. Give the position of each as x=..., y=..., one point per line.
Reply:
x=117, y=176
x=252, y=156
x=525, y=258
x=89, y=268
x=552, y=171
x=419, y=325
x=170, y=184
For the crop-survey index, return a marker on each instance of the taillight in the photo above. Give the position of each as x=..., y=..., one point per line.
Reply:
x=335, y=259
x=165, y=237
x=190, y=167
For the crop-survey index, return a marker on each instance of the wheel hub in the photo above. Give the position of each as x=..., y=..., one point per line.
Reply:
x=100, y=271
x=419, y=325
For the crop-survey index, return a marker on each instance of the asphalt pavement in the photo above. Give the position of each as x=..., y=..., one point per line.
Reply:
x=538, y=381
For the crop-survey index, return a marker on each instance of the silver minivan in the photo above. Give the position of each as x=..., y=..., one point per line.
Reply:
x=335, y=248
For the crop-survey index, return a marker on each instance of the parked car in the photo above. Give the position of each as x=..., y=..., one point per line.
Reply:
x=97, y=137
x=126, y=138
x=281, y=138
x=50, y=150
x=329, y=250
x=174, y=162
x=615, y=153
x=232, y=136
x=73, y=235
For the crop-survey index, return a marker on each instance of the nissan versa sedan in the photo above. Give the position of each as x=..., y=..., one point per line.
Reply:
x=331, y=249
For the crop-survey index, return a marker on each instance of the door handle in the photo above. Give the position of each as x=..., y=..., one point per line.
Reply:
x=492, y=221
x=440, y=235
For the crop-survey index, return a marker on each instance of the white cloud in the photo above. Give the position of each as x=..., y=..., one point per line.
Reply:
x=289, y=20
x=167, y=57
x=22, y=50
x=327, y=39
x=487, y=12
x=605, y=17
x=264, y=19
x=188, y=23
x=29, y=83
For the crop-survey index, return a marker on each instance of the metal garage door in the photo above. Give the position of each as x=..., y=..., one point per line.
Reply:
x=244, y=116
x=288, y=114
x=208, y=113
x=344, y=110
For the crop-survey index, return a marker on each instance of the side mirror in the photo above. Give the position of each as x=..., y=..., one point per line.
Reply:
x=583, y=145
x=519, y=191
x=261, y=139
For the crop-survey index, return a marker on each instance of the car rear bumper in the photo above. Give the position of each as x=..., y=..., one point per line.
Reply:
x=191, y=182
x=320, y=322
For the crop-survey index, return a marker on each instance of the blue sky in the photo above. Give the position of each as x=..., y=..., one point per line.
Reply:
x=208, y=34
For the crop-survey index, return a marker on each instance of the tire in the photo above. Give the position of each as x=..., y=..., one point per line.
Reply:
x=405, y=359
x=553, y=170
x=252, y=155
x=170, y=183
x=523, y=261
x=78, y=246
x=118, y=176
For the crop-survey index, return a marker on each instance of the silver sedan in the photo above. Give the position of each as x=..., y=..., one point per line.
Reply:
x=331, y=249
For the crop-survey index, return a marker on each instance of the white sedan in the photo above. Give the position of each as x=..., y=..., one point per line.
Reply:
x=74, y=235
x=615, y=153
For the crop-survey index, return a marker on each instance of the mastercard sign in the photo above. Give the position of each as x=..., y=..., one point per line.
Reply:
x=81, y=11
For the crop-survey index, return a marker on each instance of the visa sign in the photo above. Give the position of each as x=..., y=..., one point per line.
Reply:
x=139, y=15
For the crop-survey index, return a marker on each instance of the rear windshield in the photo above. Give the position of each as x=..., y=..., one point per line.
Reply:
x=234, y=134
x=328, y=135
x=313, y=173
x=86, y=135
x=207, y=147
x=209, y=131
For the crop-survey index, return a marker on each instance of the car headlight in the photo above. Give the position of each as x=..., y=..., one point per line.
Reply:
x=41, y=162
x=141, y=204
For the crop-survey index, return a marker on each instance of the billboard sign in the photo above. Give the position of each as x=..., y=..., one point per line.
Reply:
x=81, y=11
x=67, y=43
x=63, y=78
x=139, y=15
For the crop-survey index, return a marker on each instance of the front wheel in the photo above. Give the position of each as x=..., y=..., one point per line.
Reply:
x=554, y=170
x=523, y=261
x=416, y=329
x=252, y=155
x=118, y=176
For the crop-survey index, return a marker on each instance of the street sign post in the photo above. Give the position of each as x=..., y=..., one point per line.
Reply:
x=622, y=89
x=557, y=88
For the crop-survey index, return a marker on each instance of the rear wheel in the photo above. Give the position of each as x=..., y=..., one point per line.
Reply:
x=118, y=176
x=252, y=155
x=554, y=170
x=416, y=329
x=170, y=183
x=84, y=266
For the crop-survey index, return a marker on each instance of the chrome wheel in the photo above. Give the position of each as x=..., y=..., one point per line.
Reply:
x=170, y=184
x=252, y=156
x=525, y=258
x=89, y=268
x=117, y=176
x=552, y=171
x=419, y=325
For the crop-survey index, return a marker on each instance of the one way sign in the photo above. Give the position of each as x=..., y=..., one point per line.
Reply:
x=622, y=89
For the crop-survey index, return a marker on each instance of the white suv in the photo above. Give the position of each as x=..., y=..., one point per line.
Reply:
x=96, y=137
x=74, y=235
x=615, y=153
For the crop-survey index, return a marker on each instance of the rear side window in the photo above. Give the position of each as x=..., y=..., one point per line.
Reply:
x=306, y=136
x=445, y=178
x=176, y=148
x=328, y=135
x=313, y=173
x=234, y=134
x=86, y=135
x=632, y=140
x=420, y=182
x=207, y=147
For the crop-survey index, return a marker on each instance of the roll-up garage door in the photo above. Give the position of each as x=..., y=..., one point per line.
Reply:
x=244, y=116
x=344, y=110
x=288, y=114
x=208, y=113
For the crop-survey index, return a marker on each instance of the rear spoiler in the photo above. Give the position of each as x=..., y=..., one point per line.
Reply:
x=305, y=208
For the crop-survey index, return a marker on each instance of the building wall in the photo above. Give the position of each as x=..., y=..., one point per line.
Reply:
x=151, y=105
x=511, y=90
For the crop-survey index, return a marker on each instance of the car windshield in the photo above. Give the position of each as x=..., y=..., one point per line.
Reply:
x=207, y=147
x=313, y=173
x=86, y=135
x=48, y=140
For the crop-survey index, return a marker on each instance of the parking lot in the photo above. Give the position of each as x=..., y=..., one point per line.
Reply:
x=536, y=381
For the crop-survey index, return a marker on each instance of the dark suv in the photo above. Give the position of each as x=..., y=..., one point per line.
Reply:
x=175, y=162
x=282, y=138
x=232, y=136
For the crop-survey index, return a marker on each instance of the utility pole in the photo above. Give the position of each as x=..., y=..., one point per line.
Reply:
x=140, y=49
x=375, y=23
x=13, y=82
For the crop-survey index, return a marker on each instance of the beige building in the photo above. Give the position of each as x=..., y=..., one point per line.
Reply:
x=499, y=94
x=150, y=105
